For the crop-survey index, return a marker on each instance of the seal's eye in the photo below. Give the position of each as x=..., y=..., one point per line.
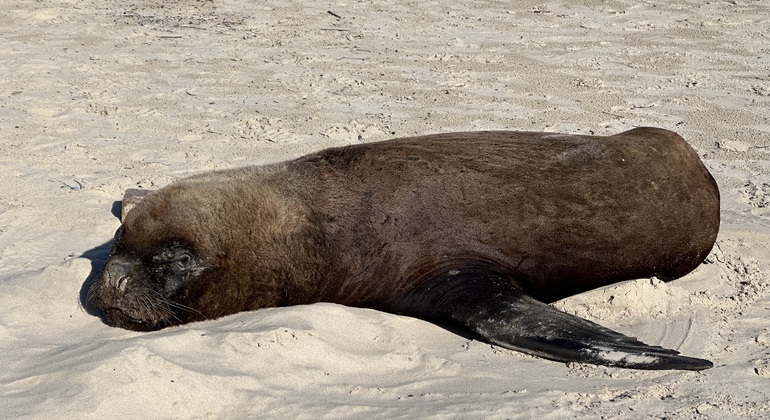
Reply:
x=183, y=260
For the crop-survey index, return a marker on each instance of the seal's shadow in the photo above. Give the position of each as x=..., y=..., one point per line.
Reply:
x=98, y=257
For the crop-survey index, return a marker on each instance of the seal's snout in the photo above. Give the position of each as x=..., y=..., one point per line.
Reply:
x=118, y=272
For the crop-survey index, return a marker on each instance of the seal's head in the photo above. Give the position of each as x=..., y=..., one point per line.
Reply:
x=180, y=256
x=145, y=291
x=149, y=280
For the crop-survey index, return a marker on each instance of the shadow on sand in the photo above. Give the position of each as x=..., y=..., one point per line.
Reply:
x=98, y=257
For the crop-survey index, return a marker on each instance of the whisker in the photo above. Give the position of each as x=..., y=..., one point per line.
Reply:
x=91, y=292
x=187, y=309
x=151, y=308
x=176, y=305
x=162, y=300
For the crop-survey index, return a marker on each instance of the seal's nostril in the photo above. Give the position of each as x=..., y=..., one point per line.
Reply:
x=122, y=283
x=118, y=272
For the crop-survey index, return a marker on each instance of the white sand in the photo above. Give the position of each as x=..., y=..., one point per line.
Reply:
x=100, y=96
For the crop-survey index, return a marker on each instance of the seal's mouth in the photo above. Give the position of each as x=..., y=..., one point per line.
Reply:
x=116, y=317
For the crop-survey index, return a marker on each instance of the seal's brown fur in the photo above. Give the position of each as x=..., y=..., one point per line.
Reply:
x=364, y=225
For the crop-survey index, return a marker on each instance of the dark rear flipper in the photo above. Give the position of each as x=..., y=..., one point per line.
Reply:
x=490, y=306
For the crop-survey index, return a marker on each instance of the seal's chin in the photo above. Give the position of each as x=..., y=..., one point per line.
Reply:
x=115, y=317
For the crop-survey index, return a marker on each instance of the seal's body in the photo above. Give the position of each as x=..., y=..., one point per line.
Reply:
x=478, y=229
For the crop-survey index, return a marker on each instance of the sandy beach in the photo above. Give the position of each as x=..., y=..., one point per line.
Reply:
x=100, y=96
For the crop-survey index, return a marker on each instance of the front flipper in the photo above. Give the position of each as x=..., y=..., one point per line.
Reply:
x=490, y=306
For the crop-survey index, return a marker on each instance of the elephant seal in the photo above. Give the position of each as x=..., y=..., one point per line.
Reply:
x=480, y=230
